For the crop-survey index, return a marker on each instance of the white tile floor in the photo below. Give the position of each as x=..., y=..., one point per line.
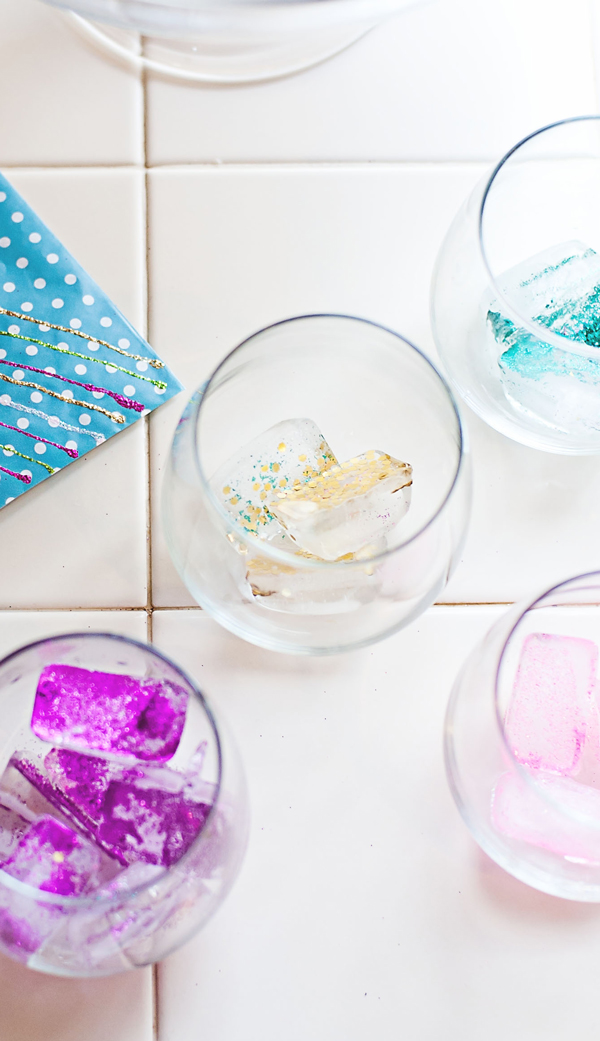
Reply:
x=364, y=909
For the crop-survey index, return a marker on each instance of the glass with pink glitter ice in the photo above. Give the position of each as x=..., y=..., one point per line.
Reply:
x=523, y=741
x=123, y=815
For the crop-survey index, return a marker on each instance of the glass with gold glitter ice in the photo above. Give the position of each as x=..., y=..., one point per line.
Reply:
x=318, y=488
x=523, y=741
x=123, y=814
x=516, y=293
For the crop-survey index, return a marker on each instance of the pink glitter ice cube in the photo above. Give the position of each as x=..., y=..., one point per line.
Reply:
x=553, y=812
x=109, y=713
x=551, y=701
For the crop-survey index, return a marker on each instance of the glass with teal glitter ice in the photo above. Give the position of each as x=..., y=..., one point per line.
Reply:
x=516, y=292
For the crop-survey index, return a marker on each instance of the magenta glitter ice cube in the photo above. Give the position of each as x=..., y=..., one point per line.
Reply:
x=133, y=814
x=552, y=701
x=109, y=712
x=53, y=858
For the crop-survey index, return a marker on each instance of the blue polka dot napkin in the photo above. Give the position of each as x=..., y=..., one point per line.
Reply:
x=73, y=371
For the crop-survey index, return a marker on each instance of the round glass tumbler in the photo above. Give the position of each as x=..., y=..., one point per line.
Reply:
x=111, y=854
x=359, y=388
x=522, y=741
x=516, y=292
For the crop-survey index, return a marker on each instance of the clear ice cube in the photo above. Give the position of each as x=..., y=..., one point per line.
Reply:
x=556, y=813
x=283, y=587
x=346, y=506
x=558, y=289
x=291, y=451
x=108, y=712
x=552, y=701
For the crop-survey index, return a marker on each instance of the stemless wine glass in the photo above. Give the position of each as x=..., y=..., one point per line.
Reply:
x=366, y=388
x=92, y=907
x=516, y=291
x=229, y=41
x=522, y=741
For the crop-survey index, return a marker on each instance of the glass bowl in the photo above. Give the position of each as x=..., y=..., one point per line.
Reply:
x=228, y=41
x=522, y=741
x=366, y=388
x=514, y=295
x=101, y=909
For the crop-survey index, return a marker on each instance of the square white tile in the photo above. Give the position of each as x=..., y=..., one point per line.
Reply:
x=233, y=250
x=63, y=103
x=79, y=539
x=18, y=628
x=450, y=80
x=364, y=909
x=45, y=1008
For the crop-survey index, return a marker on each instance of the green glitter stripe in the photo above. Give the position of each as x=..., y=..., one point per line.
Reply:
x=13, y=451
x=85, y=357
x=156, y=363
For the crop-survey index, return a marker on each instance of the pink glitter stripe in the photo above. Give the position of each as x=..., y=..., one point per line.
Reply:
x=70, y=451
x=119, y=398
x=25, y=478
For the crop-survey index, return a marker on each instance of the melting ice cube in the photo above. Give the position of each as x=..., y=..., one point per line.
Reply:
x=133, y=814
x=108, y=712
x=556, y=813
x=558, y=289
x=289, y=452
x=345, y=507
x=552, y=701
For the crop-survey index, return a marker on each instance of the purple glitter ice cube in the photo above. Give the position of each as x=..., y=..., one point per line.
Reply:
x=137, y=814
x=53, y=858
x=109, y=712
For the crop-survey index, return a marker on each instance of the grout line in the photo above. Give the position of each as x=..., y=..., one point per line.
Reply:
x=39, y=610
x=37, y=168
x=303, y=164
x=155, y=1008
x=149, y=605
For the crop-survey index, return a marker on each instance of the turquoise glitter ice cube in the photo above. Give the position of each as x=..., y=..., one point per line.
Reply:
x=558, y=290
x=73, y=370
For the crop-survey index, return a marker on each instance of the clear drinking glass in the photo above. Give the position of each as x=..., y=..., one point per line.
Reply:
x=522, y=741
x=366, y=388
x=229, y=41
x=515, y=292
x=90, y=914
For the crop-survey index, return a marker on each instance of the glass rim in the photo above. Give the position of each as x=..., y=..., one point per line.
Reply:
x=302, y=563
x=562, y=343
x=92, y=900
x=523, y=609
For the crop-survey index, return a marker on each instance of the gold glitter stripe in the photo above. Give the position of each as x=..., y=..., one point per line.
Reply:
x=156, y=363
x=118, y=418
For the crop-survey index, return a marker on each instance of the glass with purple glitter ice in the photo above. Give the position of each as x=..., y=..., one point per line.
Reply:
x=523, y=741
x=122, y=808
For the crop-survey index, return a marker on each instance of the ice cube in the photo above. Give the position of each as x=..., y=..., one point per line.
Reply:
x=134, y=814
x=346, y=506
x=283, y=587
x=108, y=712
x=552, y=701
x=558, y=289
x=289, y=452
x=52, y=857
x=553, y=812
